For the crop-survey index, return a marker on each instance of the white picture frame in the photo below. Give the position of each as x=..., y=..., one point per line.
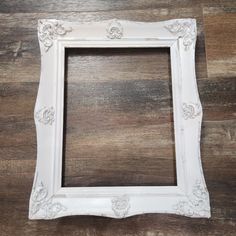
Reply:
x=48, y=198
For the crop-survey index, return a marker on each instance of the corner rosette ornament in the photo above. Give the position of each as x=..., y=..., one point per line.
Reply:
x=40, y=203
x=48, y=30
x=184, y=29
x=197, y=204
x=46, y=115
x=120, y=206
x=115, y=30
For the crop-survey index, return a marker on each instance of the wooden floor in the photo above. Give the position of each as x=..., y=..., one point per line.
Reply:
x=119, y=118
x=216, y=78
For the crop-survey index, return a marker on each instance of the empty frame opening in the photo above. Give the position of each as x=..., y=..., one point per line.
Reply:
x=118, y=118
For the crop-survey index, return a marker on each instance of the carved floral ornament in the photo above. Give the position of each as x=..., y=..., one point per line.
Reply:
x=184, y=29
x=45, y=115
x=49, y=30
x=114, y=30
x=191, y=110
x=197, y=204
x=40, y=202
x=120, y=206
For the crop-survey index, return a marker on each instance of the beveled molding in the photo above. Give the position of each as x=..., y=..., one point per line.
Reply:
x=49, y=199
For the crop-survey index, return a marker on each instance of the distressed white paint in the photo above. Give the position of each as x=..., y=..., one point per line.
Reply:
x=50, y=200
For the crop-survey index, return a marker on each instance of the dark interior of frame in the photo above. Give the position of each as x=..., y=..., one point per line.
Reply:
x=118, y=118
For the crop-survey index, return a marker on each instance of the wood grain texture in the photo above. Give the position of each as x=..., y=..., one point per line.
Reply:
x=220, y=33
x=119, y=121
x=95, y=5
x=19, y=76
x=19, y=44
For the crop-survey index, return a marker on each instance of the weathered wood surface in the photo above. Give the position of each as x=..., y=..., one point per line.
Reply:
x=19, y=76
x=220, y=29
x=119, y=125
x=7, y=6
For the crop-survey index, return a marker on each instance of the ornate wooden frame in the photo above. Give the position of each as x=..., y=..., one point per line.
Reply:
x=48, y=198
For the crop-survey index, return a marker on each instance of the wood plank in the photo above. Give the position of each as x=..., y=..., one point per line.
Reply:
x=148, y=224
x=91, y=5
x=112, y=64
x=19, y=44
x=17, y=106
x=119, y=112
x=220, y=34
x=26, y=6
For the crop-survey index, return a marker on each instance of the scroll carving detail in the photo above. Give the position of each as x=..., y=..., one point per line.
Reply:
x=197, y=204
x=41, y=202
x=185, y=29
x=46, y=115
x=115, y=30
x=48, y=30
x=120, y=206
x=191, y=110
